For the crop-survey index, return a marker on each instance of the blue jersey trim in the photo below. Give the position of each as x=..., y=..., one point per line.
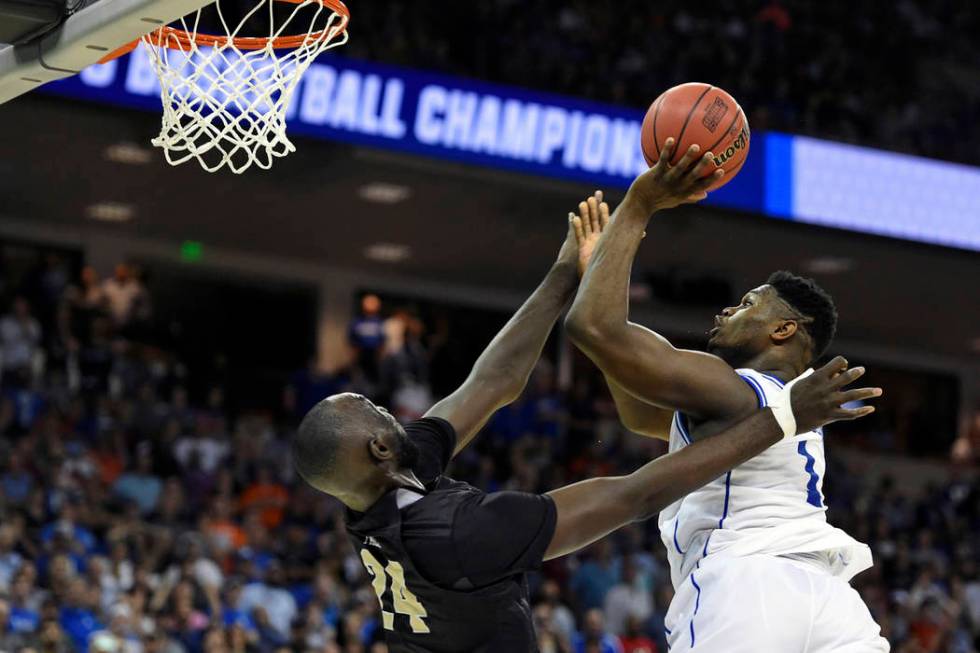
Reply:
x=773, y=379
x=759, y=392
x=812, y=493
x=724, y=512
x=681, y=428
x=676, y=545
x=697, y=605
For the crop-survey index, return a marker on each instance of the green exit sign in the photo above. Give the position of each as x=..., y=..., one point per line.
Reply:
x=192, y=251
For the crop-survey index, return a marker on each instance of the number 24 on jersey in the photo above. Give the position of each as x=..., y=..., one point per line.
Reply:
x=403, y=600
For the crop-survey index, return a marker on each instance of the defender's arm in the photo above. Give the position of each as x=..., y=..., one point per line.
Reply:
x=502, y=370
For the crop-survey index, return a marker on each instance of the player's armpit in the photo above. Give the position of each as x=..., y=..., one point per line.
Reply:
x=639, y=416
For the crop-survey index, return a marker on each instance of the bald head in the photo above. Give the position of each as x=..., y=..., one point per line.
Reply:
x=346, y=444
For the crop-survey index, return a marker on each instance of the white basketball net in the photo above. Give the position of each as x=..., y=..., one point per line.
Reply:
x=226, y=107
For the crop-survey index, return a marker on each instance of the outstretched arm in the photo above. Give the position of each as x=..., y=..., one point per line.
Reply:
x=637, y=415
x=594, y=508
x=639, y=361
x=501, y=372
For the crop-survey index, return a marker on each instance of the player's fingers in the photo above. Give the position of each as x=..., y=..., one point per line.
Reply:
x=577, y=225
x=583, y=212
x=704, y=183
x=847, y=377
x=837, y=365
x=666, y=154
x=593, y=215
x=703, y=168
x=853, y=413
x=859, y=394
x=696, y=197
x=603, y=215
x=684, y=165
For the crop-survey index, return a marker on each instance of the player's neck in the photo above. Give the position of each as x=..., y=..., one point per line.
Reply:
x=770, y=362
x=373, y=490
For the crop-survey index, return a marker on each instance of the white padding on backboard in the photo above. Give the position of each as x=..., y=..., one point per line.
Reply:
x=86, y=37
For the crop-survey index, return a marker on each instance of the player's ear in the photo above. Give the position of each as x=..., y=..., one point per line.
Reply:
x=380, y=450
x=784, y=330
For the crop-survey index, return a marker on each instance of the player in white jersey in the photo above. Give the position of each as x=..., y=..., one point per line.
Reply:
x=754, y=563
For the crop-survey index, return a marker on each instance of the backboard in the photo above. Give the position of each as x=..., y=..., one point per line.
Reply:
x=85, y=37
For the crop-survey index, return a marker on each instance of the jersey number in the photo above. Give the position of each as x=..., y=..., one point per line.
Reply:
x=404, y=601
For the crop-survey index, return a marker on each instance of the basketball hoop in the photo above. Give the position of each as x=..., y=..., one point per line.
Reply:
x=225, y=96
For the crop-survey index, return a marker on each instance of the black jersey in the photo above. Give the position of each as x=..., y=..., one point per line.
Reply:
x=449, y=565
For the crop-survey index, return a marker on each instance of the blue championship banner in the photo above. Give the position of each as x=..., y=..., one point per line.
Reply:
x=507, y=128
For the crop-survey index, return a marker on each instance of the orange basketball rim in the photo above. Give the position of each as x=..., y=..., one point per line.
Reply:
x=179, y=39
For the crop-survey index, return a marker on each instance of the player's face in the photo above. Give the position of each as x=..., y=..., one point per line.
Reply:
x=406, y=450
x=742, y=331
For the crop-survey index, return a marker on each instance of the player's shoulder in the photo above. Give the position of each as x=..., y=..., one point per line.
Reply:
x=764, y=385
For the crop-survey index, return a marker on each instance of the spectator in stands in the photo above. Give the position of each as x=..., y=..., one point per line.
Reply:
x=966, y=448
x=86, y=301
x=629, y=599
x=367, y=336
x=140, y=485
x=404, y=367
x=634, y=639
x=267, y=496
x=596, y=576
x=20, y=339
x=594, y=636
x=79, y=614
x=10, y=639
x=560, y=618
x=16, y=482
x=125, y=296
x=273, y=607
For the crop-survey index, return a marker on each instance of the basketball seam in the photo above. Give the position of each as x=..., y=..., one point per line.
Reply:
x=680, y=137
x=725, y=133
x=656, y=113
x=646, y=155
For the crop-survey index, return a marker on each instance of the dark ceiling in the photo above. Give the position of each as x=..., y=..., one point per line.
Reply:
x=468, y=225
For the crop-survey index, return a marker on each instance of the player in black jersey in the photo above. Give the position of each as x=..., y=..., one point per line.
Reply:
x=447, y=560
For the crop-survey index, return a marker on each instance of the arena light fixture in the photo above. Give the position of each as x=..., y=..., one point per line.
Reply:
x=117, y=212
x=388, y=252
x=128, y=153
x=829, y=265
x=381, y=192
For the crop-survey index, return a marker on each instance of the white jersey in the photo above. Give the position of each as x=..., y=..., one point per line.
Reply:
x=771, y=505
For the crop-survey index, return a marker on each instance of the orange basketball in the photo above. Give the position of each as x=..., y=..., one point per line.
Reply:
x=698, y=113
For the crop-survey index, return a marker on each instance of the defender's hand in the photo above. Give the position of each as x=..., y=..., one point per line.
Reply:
x=819, y=398
x=592, y=218
x=665, y=186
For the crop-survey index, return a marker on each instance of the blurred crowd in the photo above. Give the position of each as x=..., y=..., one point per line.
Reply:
x=137, y=518
x=895, y=75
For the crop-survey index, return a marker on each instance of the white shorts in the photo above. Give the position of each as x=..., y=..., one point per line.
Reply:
x=767, y=604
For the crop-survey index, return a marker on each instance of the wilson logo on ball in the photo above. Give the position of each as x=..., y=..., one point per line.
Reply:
x=737, y=144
